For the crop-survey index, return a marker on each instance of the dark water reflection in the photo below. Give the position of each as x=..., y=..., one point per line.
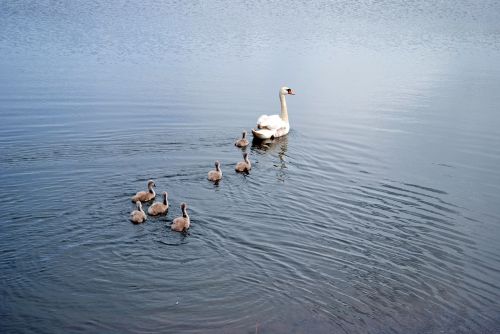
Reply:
x=378, y=213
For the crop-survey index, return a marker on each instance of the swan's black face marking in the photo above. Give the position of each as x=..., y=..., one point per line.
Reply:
x=290, y=91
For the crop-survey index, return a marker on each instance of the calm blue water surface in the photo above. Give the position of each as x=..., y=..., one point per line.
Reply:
x=378, y=213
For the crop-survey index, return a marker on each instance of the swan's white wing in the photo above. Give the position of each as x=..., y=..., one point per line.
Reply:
x=261, y=119
x=269, y=122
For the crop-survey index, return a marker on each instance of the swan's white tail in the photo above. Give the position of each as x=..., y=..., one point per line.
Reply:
x=262, y=133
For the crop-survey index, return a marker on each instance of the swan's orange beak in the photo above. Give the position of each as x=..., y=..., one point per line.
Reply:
x=291, y=92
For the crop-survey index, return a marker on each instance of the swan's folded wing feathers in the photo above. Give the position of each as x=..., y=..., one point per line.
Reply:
x=269, y=122
x=273, y=122
x=262, y=119
x=262, y=122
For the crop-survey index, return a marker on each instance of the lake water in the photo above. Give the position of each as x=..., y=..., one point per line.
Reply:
x=378, y=213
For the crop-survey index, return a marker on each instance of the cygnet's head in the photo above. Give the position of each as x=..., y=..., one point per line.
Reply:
x=217, y=165
x=244, y=134
x=183, y=208
x=286, y=91
x=139, y=205
x=151, y=183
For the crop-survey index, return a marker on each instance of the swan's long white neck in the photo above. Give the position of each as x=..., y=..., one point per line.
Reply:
x=284, y=110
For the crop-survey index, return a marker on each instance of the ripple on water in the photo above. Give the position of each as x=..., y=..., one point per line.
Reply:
x=377, y=213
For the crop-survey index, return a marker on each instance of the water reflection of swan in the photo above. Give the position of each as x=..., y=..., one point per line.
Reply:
x=270, y=146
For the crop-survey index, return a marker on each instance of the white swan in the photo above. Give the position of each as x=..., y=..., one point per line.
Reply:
x=274, y=125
